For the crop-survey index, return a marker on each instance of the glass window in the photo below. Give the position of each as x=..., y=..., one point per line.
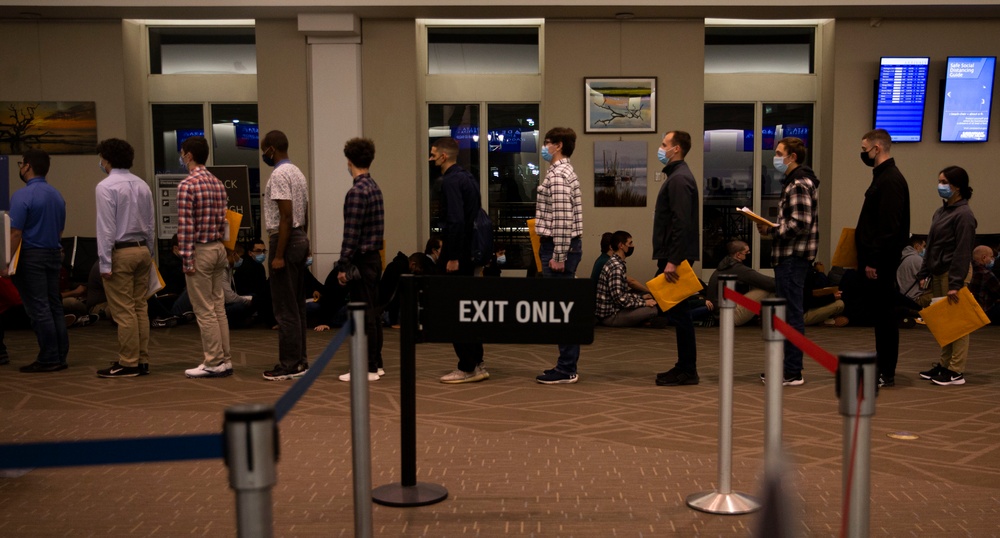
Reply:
x=461, y=122
x=172, y=124
x=513, y=178
x=755, y=49
x=729, y=178
x=202, y=50
x=236, y=141
x=482, y=50
x=779, y=120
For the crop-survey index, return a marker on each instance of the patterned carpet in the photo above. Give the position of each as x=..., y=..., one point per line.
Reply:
x=613, y=455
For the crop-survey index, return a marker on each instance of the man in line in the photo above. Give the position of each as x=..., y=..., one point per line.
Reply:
x=675, y=239
x=364, y=229
x=201, y=225
x=794, y=242
x=37, y=219
x=559, y=224
x=286, y=214
x=882, y=233
x=125, y=254
x=460, y=203
x=616, y=304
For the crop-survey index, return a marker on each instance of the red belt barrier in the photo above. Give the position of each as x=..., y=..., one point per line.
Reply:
x=824, y=358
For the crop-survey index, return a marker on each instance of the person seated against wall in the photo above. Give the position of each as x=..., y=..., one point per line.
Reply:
x=985, y=286
x=97, y=300
x=823, y=303
x=239, y=310
x=607, y=252
x=426, y=262
x=617, y=305
x=906, y=276
x=330, y=308
x=74, y=296
x=159, y=304
x=493, y=267
x=750, y=283
x=250, y=278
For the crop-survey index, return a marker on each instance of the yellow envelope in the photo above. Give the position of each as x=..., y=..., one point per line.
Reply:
x=233, y=219
x=846, y=254
x=949, y=322
x=668, y=295
x=535, y=244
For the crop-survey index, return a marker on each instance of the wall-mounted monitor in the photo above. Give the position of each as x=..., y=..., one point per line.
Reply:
x=968, y=93
x=899, y=97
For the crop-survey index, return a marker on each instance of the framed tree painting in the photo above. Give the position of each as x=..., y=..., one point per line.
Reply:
x=620, y=105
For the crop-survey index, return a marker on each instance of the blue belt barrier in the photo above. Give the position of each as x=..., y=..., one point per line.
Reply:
x=153, y=449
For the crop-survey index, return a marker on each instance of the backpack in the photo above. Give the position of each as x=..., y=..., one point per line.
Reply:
x=482, y=238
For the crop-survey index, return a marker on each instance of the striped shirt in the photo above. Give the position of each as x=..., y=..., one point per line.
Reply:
x=559, y=208
x=364, y=218
x=613, y=293
x=201, y=212
x=797, y=233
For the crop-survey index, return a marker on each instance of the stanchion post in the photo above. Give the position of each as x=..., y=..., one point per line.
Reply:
x=361, y=449
x=408, y=492
x=724, y=500
x=774, y=375
x=251, y=450
x=856, y=378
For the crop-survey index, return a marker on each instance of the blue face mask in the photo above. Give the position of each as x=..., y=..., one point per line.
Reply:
x=501, y=259
x=181, y=160
x=944, y=191
x=239, y=262
x=990, y=265
x=922, y=252
x=309, y=261
x=661, y=154
x=779, y=164
x=260, y=257
x=546, y=156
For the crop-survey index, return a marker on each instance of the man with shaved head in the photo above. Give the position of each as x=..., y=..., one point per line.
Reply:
x=985, y=286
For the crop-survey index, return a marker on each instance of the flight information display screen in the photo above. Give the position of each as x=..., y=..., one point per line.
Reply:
x=968, y=94
x=899, y=101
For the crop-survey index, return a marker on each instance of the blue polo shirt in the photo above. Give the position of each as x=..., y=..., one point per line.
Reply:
x=39, y=211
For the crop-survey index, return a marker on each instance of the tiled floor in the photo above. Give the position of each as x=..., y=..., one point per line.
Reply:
x=613, y=455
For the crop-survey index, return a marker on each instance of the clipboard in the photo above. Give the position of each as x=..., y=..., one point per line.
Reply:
x=536, y=244
x=233, y=221
x=668, y=295
x=755, y=217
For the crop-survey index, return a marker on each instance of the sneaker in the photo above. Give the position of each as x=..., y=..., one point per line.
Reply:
x=70, y=319
x=280, y=373
x=381, y=372
x=223, y=370
x=789, y=381
x=372, y=376
x=458, y=376
x=676, y=377
x=932, y=373
x=186, y=317
x=886, y=381
x=160, y=323
x=552, y=377
x=947, y=377
x=837, y=321
x=143, y=368
x=117, y=370
x=42, y=367
x=85, y=320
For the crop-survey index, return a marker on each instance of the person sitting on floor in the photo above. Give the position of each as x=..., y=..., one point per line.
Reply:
x=985, y=286
x=750, y=283
x=823, y=303
x=617, y=305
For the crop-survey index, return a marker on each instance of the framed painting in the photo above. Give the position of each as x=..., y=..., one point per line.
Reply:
x=58, y=127
x=620, y=105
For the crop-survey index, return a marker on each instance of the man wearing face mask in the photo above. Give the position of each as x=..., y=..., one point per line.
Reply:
x=124, y=250
x=882, y=233
x=794, y=242
x=285, y=202
x=985, y=286
x=675, y=239
x=37, y=219
x=616, y=304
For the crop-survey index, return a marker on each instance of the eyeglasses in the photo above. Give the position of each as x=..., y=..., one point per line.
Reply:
x=259, y=251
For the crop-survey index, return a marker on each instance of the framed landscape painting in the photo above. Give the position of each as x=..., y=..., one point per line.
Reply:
x=620, y=105
x=58, y=127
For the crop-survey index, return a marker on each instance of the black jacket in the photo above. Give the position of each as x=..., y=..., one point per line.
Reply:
x=460, y=204
x=675, y=219
x=883, y=229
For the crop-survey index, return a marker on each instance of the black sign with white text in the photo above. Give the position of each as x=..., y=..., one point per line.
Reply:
x=507, y=310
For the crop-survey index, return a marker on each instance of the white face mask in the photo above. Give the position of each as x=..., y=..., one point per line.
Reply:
x=100, y=164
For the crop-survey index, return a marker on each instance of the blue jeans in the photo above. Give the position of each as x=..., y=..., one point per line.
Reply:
x=790, y=283
x=569, y=354
x=37, y=280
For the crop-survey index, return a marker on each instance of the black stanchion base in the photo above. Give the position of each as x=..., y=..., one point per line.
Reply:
x=397, y=494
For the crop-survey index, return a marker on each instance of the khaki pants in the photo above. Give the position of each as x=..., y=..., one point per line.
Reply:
x=126, y=292
x=953, y=355
x=204, y=288
x=742, y=316
x=820, y=314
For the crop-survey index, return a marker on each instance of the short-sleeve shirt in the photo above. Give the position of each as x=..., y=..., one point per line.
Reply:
x=39, y=211
x=287, y=182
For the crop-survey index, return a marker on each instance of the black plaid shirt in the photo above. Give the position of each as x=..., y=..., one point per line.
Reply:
x=797, y=233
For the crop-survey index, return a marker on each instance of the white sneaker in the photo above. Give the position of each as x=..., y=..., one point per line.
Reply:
x=222, y=370
x=372, y=376
x=381, y=372
x=458, y=376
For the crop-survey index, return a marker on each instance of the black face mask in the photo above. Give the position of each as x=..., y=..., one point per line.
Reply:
x=629, y=251
x=268, y=160
x=869, y=161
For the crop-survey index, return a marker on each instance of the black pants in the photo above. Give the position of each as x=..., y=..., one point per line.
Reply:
x=365, y=290
x=289, y=302
x=680, y=317
x=882, y=293
x=469, y=354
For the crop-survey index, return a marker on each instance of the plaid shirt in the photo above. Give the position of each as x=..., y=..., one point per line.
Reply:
x=797, y=233
x=201, y=212
x=612, y=290
x=364, y=218
x=559, y=209
x=984, y=286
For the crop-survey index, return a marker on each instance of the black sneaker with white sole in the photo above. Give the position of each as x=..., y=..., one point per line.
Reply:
x=947, y=377
x=117, y=370
x=932, y=373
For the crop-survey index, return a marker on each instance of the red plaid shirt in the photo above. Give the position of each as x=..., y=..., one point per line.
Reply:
x=201, y=210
